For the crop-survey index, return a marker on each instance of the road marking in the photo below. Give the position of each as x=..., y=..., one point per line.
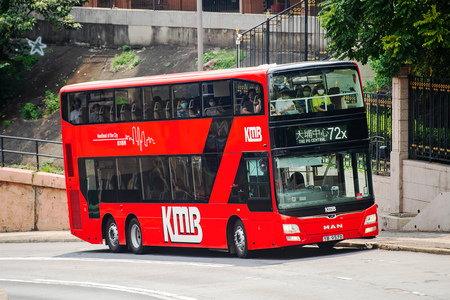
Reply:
x=344, y=278
x=131, y=261
x=113, y=287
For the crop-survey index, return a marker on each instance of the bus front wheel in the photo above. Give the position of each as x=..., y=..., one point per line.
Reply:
x=240, y=239
x=112, y=237
x=135, y=237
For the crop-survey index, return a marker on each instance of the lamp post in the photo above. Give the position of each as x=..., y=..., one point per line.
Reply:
x=199, y=35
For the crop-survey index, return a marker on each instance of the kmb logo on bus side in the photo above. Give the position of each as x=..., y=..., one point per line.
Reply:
x=186, y=224
x=253, y=134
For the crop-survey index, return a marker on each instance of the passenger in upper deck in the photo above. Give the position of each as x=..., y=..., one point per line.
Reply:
x=184, y=110
x=320, y=99
x=249, y=102
x=75, y=112
x=94, y=116
x=306, y=91
x=283, y=105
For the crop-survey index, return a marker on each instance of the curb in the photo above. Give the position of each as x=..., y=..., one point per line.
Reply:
x=393, y=247
x=3, y=295
x=40, y=240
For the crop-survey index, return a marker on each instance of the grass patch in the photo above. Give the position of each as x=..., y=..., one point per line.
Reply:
x=127, y=57
x=45, y=167
x=226, y=58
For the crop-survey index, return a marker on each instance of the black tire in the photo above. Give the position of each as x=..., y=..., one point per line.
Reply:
x=135, y=237
x=327, y=245
x=240, y=239
x=112, y=237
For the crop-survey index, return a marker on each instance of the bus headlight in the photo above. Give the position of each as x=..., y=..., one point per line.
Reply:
x=370, y=229
x=293, y=238
x=370, y=219
x=291, y=228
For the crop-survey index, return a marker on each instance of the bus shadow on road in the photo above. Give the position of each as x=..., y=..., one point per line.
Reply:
x=270, y=256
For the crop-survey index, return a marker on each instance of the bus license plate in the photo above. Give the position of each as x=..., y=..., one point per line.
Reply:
x=333, y=237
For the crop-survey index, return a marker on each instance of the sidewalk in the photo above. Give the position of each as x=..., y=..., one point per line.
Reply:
x=427, y=242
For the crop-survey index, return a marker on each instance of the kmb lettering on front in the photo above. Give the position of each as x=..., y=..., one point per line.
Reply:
x=186, y=224
x=253, y=134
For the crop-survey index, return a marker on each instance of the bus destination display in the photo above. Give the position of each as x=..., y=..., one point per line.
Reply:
x=320, y=134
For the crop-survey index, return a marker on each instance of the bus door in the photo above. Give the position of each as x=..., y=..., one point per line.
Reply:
x=252, y=184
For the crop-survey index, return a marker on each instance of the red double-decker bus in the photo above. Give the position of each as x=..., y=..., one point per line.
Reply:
x=240, y=159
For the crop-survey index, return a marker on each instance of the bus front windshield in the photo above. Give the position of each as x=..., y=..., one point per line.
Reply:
x=295, y=93
x=322, y=180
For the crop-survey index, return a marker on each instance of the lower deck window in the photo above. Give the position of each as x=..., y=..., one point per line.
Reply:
x=187, y=178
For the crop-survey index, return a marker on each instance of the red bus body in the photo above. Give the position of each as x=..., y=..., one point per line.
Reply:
x=204, y=223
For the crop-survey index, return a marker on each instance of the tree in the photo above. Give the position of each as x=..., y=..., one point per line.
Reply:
x=392, y=33
x=17, y=18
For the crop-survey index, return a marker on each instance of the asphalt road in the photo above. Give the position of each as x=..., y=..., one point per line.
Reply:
x=84, y=271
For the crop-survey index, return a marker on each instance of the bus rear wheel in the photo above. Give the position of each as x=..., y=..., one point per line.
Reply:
x=135, y=237
x=112, y=237
x=240, y=239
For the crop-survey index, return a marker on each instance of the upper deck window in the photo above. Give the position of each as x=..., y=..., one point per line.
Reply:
x=312, y=91
x=248, y=98
x=208, y=99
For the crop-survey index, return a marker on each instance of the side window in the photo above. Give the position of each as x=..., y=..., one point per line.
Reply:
x=74, y=108
x=107, y=183
x=128, y=104
x=216, y=98
x=156, y=104
x=248, y=98
x=101, y=107
x=204, y=171
x=180, y=176
x=257, y=178
x=128, y=180
x=155, y=179
x=91, y=189
x=186, y=100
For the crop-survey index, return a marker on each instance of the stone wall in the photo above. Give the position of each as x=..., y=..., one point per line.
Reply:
x=32, y=201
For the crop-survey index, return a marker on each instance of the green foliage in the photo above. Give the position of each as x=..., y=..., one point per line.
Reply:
x=51, y=102
x=226, y=58
x=45, y=167
x=31, y=112
x=6, y=122
x=49, y=168
x=136, y=61
x=119, y=61
x=392, y=32
x=127, y=57
x=380, y=84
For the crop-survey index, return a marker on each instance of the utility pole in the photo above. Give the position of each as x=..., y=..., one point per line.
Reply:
x=200, y=35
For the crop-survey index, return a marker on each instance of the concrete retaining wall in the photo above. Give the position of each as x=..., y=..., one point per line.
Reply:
x=382, y=191
x=104, y=27
x=422, y=183
x=32, y=201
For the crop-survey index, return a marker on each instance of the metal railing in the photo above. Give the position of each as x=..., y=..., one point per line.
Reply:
x=36, y=147
x=291, y=36
x=379, y=120
x=429, y=121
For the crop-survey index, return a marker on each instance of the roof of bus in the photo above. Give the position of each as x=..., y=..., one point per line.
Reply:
x=192, y=76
